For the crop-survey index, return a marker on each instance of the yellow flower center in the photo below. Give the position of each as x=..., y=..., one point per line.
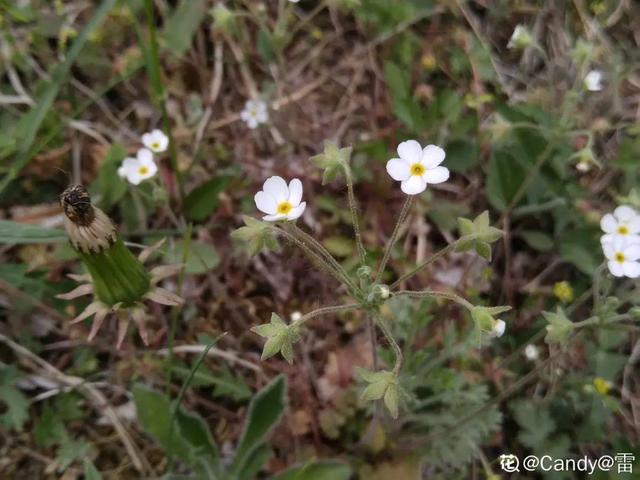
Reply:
x=143, y=170
x=155, y=145
x=284, y=208
x=623, y=230
x=619, y=257
x=602, y=386
x=417, y=169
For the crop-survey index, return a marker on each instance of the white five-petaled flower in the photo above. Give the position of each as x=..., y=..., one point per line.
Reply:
x=624, y=222
x=498, y=329
x=156, y=141
x=255, y=112
x=279, y=201
x=623, y=257
x=417, y=167
x=593, y=81
x=138, y=169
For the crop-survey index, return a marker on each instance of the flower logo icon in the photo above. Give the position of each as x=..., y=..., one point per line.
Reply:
x=509, y=463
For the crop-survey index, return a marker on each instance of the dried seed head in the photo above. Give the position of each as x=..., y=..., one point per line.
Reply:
x=88, y=227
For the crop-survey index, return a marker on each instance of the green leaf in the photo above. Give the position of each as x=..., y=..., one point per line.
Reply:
x=559, y=327
x=535, y=421
x=256, y=235
x=34, y=118
x=182, y=25
x=391, y=399
x=203, y=200
x=70, y=451
x=90, y=470
x=265, y=410
x=328, y=470
x=538, y=240
x=504, y=178
x=201, y=258
x=15, y=406
x=109, y=186
x=15, y=233
x=462, y=154
x=255, y=462
x=230, y=385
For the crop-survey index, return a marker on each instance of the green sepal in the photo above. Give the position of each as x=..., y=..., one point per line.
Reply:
x=332, y=160
x=256, y=235
x=117, y=275
x=381, y=385
x=559, y=328
x=280, y=338
x=477, y=234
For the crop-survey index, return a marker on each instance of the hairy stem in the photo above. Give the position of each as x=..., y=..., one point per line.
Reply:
x=354, y=214
x=396, y=348
x=394, y=236
x=432, y=293
x=430, y=260
x=325, y=311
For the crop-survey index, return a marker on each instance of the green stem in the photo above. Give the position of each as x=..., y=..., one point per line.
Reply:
x=354, y=214
x=432, y=293
x=324, y=311
x=430, y=260
x=324, y=253
x=155, y=78
x=394, y=236
x=396, y=348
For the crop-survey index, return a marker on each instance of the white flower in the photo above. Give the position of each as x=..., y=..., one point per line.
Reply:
x=138, y=169
x=295, y=316
x=531, y=352
x=417, y=167
x=254, y=113
x=156, y=141
x=294, y=1
x=520, y=38
x=622, y=257
x=593, y=81
x=279, y=201
x=624, y=222
x=498, y=328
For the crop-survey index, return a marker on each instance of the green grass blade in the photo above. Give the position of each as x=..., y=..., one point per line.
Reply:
x=37, y=114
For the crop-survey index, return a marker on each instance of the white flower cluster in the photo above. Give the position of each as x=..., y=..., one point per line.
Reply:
x=142, y=166
x=621, y=241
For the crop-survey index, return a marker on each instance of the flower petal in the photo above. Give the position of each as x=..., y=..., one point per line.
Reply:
x=123, y=325
x=616, y=269
x=164, y=297
x=274, y=218
x=91, y=309
x=277, y=188
x=295, y=192
x=625, y=213
x=163, y=271
x=79, y=278
x=414, y=185
x=608, y=223
x=410, y=151
x=607, y=246
x=266, y=203
x=634, y=225
x=97, y=323
x=631, y=269
x=632, y=252
x=297, y=211
x=76, y=292
x=139, y=317
x=147, y=251
x=144, y=156
x=398, y=169
x=436, y=175
x=432, y=156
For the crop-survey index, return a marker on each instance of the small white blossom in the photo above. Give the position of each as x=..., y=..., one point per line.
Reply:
x=156, y=141
x=138, y=169
x=279, y=201
x=255, y=112
x=623, y=257
x=295, y=316
x=593, y=81
x=583, y=166
x=498, y=329
x=531, y=352
x=624, y=222
x=520, y=38
x=417, y=167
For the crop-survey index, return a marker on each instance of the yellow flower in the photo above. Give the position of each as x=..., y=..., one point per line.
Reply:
x=563, y=291
x=602, y=386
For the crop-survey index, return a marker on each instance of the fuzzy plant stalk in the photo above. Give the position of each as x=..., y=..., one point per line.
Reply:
x=283, y=206
x=119, y=281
